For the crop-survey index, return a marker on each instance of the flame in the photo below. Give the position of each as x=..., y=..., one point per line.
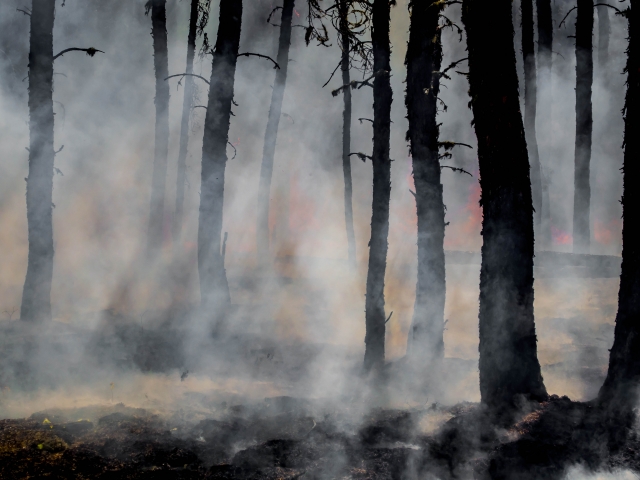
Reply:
x=560, y=237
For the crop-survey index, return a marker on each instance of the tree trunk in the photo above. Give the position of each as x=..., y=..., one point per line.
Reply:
x=604, y=32
x=36, y=296
x=343, y=6
x=214, y=290
x=378, y=245
x=584, y=127
x=184, y=127
x=509, y=367
x=530, y=100
x=545, y=44
x=271, y=134
x=424, y=57
x=159, y=178
x=620, y=387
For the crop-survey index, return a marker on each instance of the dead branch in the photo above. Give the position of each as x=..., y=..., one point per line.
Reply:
x=361, y=156
x=199, y=106
x=224, y=246
x=610, y=6
x=388, y=318
x=443, y=73
x=249, y=54
x=367, y=119
x=412, y=193
x=59, y=150
x=456, y=169
x=286, y=115
x=58, y=171
x=27, y=13
x=272, y=12
x=565, y=17
x=188, y=74
x=234, y=150
x=89, y=51
x=448, y=145
x=358, y=85
x=332, y=74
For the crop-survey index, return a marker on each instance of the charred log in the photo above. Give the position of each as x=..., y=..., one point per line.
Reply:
x=509, y=367
x=378, y=245
x=214, y=289
x=424, y=57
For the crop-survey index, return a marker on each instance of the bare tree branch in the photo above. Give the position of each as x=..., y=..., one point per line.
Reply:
x=361, y=156
x=27, y=13
x=456, y=169
x=89, y=51
x=190, y=75
x=249, y=54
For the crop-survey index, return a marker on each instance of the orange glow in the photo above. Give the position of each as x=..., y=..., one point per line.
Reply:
x=607, y=233
x=560, y=237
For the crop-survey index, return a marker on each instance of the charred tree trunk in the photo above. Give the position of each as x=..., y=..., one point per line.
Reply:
x=343, y=6
x=214, y=289
x=271, y=134
x=509, y=366
x=159, y=178
x=424, y=57
x=378, y=245
x=584, y=127
x=604, y=33
x=36, y=296
x=620, y=389
x=545, y=43
x=530, y=100
x=184, y=127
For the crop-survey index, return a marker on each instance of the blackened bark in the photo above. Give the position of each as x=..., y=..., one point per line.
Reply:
x=36, y=295
x=620, y=387
x=378, y=245
x=214, y=289
x=545, y=44
x=509, y=366
x=343, y=6
x=424, y=57
x=530, y=100
x=161, y=151
x=584, y=127
x=184, y=127
x=604, y=33
x=271, y=134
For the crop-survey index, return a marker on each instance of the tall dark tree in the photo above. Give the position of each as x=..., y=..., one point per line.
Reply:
x=543, y=98
x=214, y=289
x=509, y=367
x=36, y=296
x=584, y=127
x=604, y=33
x=343, y=11
x=161, y=151
x=620, y=389
x=530, y=104
x=184, y=125
x=378, y=245
x=271, y=134
x=423, y=61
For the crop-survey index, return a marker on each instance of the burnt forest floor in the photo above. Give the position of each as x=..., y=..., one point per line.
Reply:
x=287, y=438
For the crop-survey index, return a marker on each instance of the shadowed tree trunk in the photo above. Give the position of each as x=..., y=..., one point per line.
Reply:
x=343, y=6
x=159, y=178
x=620, y=389
x=604, y=32
x=530, y=100
x=36, y=296
x=184, y=126
x=424, y=57
x=543, y=113
x=214, y=290
x=378, y=245
x=509, y=367
x=271, y=134
x=584, y=127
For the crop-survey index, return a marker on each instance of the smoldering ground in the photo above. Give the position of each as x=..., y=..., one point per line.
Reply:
x=119, y=336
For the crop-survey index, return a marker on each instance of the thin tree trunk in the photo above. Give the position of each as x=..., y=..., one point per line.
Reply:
x=343, y=6
x=378, y=245
x=604, y=33
x=36, y=296
x=184, y=127
x=543, y=113
x=509, y=367
x=214, y=289
x=271, y=134
x=530, y=100
x=159, y=178
x=584, y=127
x=424, y=57
x=620, y=389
